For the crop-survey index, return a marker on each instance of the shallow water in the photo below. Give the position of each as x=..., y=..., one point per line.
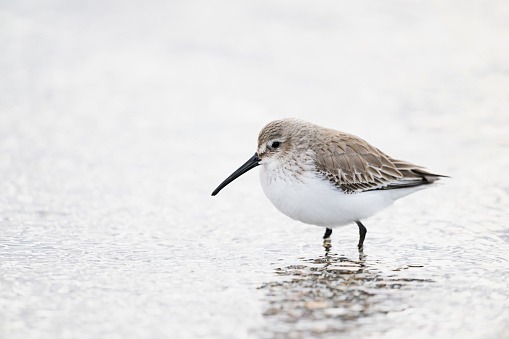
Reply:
x=117, y=122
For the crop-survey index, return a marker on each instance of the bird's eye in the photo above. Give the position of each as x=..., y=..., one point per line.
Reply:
x=275, y=144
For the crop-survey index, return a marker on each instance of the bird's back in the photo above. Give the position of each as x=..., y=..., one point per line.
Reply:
x=353, y=165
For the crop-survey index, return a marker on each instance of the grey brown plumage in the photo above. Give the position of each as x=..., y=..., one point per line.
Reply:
x=349, y=162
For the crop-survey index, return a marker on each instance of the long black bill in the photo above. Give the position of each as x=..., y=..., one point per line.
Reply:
x=251, y=163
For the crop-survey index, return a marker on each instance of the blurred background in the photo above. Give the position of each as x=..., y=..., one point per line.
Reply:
x=119, y=118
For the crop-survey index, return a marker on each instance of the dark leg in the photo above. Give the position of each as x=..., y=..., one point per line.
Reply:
x=362, y=235
x=328, y=232
x=326, y=239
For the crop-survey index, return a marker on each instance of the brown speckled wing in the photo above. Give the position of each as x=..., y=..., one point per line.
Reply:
x=354, y=166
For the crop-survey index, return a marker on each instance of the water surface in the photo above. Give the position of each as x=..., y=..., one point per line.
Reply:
x=117, y=121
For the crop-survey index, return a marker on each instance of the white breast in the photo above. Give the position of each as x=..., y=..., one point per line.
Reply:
x=302, y=195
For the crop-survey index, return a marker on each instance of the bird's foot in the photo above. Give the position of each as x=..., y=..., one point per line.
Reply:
x=362, y=257
x=327, y=243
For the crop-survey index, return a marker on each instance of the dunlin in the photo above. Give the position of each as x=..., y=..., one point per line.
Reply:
x=324, y=177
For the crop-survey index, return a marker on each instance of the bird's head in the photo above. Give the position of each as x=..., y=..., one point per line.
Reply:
x=276, y=141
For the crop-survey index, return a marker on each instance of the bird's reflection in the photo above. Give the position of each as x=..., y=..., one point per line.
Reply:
x=329, y=294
